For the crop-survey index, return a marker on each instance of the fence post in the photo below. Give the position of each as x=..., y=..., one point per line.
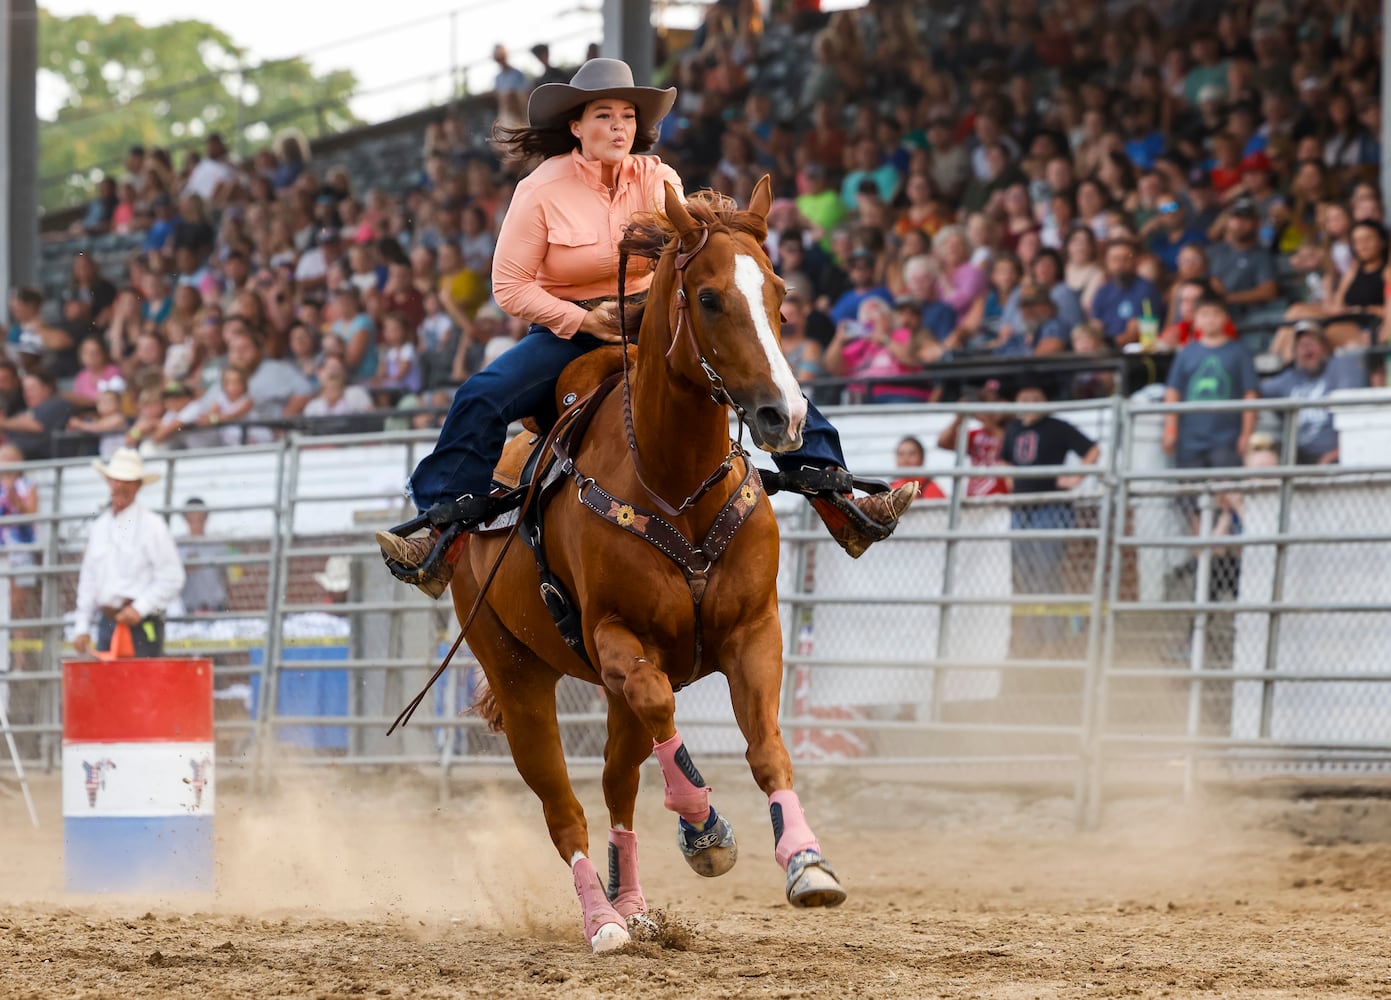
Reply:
x=1197, y=652
x=1098, y=614
x=50, y=700
x=283, y=521
x=1277, y=583
x=959, y=487
x=1094, y=698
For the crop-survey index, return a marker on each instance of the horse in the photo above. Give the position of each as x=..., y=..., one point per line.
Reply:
x=708, y=342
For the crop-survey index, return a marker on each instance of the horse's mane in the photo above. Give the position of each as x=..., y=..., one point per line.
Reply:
x=649, y=234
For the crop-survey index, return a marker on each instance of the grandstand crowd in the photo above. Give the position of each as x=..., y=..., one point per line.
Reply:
x=999, y=180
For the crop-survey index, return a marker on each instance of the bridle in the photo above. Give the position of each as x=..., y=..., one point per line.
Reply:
x=719, y=395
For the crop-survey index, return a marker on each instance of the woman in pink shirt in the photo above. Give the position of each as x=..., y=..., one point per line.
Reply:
x=556, y=266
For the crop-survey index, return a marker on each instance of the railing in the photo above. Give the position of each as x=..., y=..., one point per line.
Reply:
x=1063, y=636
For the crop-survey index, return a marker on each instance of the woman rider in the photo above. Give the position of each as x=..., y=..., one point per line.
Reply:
x=556, y=265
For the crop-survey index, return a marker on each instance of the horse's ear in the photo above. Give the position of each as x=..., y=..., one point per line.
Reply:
x=676, y=212
x=762, y=199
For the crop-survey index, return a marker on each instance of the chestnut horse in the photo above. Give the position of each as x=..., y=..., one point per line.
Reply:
x=708, y=341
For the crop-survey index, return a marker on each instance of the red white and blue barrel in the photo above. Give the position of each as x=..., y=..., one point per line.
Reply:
x=138, y=775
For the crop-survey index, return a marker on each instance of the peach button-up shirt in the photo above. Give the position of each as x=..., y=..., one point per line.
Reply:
x=559, y=240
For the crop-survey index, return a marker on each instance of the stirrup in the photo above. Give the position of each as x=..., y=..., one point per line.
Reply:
x=422, y=575
x=814, y=482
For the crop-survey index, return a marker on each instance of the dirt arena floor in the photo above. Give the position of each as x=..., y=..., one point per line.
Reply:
x=369, y=885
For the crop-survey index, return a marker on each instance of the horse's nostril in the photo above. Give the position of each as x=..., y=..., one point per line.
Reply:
x=771, y=421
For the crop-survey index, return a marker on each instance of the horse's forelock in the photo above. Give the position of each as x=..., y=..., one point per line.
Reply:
x=649, y=234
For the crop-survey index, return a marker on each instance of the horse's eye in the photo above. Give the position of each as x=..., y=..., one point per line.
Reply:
x=709, y=301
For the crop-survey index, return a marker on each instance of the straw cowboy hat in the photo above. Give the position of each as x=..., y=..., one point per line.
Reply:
x=598, y=78
x=126, y=466
x=337, y=575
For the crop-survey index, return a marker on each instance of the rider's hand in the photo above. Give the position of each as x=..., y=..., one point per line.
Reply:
x=601, y=322
x=82, y=644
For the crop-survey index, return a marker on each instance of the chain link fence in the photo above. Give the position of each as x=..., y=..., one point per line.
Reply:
x=1226, y=621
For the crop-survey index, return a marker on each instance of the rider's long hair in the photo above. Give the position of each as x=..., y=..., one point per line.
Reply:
x=533, y=143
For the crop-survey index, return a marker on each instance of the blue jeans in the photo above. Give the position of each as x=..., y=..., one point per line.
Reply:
x=521, y=383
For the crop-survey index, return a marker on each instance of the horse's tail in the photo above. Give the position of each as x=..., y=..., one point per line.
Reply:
x=485, y=706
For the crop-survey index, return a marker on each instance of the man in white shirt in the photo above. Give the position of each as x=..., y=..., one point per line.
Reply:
x=131, y=570
x=213, y=178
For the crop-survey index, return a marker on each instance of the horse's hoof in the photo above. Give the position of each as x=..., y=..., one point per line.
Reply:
x=812, y=882
x=609, y=937
x=710, y=851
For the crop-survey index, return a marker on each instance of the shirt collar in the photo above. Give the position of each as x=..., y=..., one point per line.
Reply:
x=589, y=171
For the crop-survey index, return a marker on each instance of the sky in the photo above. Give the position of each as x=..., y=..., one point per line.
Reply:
x=402, y=53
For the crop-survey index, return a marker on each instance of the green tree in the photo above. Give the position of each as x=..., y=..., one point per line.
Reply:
x=167, y=85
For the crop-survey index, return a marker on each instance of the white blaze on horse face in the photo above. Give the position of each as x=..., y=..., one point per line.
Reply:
x=748, y=278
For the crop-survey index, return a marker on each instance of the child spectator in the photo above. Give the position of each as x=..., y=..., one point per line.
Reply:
x=399, y=368
x=97, y=368
x=909, y=454
x=1213, y=368
x=110, y=422
x=983, y=444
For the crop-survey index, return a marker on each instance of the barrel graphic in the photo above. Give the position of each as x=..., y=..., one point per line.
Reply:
x=138, y=763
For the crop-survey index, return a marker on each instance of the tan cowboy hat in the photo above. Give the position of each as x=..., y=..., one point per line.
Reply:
x=126, y=466
x=595, y=79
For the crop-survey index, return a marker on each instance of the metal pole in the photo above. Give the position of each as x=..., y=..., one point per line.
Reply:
x=1277, y=583
x=453, y=56
x=958, y=490
x=19, y=145
x=283, y=520
x=1096, y=626
x=18, y=764
x=1198, y=650
x=1095, y=720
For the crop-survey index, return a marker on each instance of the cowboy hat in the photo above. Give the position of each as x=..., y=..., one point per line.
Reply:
x=336, y=577
x=595, y=79
x=126, y=466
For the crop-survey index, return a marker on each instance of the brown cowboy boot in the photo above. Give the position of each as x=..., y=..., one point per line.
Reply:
x=856, y=523
x=411, y=554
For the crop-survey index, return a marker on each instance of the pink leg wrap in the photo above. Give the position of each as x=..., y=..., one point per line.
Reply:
x=790, y=826
x=686, y=792
x=593, y=903
x=624, y=891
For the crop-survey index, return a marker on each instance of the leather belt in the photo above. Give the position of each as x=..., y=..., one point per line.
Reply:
x=635, y=301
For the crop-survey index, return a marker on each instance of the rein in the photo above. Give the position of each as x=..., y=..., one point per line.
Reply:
x=718, y=393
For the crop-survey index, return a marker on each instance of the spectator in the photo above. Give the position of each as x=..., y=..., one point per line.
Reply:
x=1083, y=273
x=276, y=389
x=353, y=327
x=205, y=586
x=910, y=454
x=863, y=285
x=871, y=347
x=962, y=282
x=1125, y=298
x=31, y=431
x=821, y=206
x=803, y=353
x=1359, y=299
x=511, y=87
x=11, y=388
x=336, y=397
x=1046, y=272
x=1039, y=331
x=549, y=74
x=96, y=373
x=1214, y=368
x=1169, y=232
x=100, y=210
x=869, y=165
x=110, y=421
x=313, y=267
x=399, y=367
x=213, y=179
x=131, y=570
x=33, y=343
x=88, y=298
x=983, y=444
x=1314, y=375
x=1039, y=565
x=1243, y=272
x=921, y=280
